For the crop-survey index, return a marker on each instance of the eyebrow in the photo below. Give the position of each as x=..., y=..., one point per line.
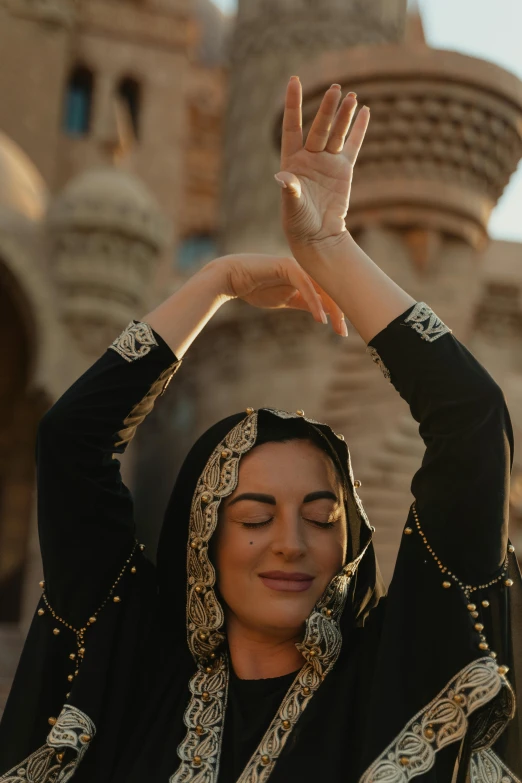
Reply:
x=270, y=499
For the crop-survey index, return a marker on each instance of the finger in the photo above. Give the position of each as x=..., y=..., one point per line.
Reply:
x=320, y=130
x=356, y=137
x=303, y=283
x=289, y=183
x=292, y=138
x=342, y=124
x=336, y=314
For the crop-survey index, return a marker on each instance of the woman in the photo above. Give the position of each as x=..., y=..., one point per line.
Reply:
x=263, y=647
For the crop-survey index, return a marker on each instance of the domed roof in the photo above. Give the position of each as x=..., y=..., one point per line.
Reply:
x=107, y=197
x=216, y=28
x=22, y=188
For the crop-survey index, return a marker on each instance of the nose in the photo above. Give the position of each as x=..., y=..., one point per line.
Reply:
x=289, y=539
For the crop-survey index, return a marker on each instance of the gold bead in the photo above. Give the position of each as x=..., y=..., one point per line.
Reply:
x=474, y=615
x=142, y=547
x=340, y=436
x=42, y=583
x=41, y=612
x=67, y=695
x=493, y=654
x=265, y=760
x=206, y=498
x=408, y=531
x=312, y=653
x=503, y=669
x=483, y=646
x=82, y=650
x=471, y=607
x=199, y=588
x=60, y=756
x=70, y=677
x=225, y=454
x=300, y=412
x=117, y=599
x=459, y=698
x=485, y=604
x=212, y=656
x=205, y=696
x=51, y=721
x=306, y=690
x=446, y=585
x=56, y=631
x=357, y=484
x=327, y=612
x=511, y=548
x=508, y=582
x=479, y=627
x=203, y=636
x=286, y=725
x=85, y=737
x=348, y=571
x=92, y=619
x=250, y=411
x=208, y=669
x=196, y=760
x=72, y=656
x=429, y=733
x=404, y=760
x=133, y=570
x=199, y=730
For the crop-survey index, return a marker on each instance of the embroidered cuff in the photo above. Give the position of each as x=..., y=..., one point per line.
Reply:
x=424, y=321
x=136, y=341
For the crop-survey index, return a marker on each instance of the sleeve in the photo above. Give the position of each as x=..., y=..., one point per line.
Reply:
x=85, y=512
x=461, y=490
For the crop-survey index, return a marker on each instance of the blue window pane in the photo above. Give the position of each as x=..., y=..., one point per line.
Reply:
x=195, y=251
x=78, y=100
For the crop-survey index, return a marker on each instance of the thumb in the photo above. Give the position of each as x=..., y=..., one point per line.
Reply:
x=289, y=183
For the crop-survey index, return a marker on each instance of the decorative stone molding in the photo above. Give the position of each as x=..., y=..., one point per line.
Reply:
x=59, y=12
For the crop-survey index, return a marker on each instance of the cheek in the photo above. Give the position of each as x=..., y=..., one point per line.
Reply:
x=235, y=554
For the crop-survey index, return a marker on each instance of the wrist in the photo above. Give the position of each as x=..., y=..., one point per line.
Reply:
x=216, y=280
x=325, y=261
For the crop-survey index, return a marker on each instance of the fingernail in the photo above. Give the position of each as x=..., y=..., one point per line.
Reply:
x=324, y=317
x=280, y=182
x=335, y=87
x=294, y=77
x=352, y=94
x=344, y=328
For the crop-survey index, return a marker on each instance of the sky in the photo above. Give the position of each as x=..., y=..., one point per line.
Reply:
x=492, y=30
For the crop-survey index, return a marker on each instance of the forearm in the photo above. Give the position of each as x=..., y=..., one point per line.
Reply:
x=181, y=317
x=369, y=299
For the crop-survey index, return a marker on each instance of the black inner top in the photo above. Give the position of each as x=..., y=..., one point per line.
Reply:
x=251, y=707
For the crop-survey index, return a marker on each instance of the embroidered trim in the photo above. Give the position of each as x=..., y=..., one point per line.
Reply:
x=142, y=409
x=440, y=723
x=487, y=767
x=136, y=341
x=72, y=731
x=424, y=321
x=379, y=362
x=204, y=717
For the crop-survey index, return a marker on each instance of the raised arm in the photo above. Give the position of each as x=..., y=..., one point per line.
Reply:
x=85, y=511
x=462, y=486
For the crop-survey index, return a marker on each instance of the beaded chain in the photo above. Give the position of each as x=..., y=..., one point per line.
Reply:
x=80, y=632
x=466, y=589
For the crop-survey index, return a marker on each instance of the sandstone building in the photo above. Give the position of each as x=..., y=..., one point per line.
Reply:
x=137, y=140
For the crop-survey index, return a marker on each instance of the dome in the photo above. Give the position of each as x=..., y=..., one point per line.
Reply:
x=108, y=198
x=215, y=30
x=22, y=189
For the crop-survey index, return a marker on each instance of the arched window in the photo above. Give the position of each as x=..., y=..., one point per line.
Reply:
x=194, y=251
x=129, y=91
x=78, y=101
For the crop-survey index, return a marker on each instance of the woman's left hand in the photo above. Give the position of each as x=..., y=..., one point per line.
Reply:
x=318, y=174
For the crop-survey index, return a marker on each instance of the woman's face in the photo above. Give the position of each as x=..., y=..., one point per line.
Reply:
x=281, y=537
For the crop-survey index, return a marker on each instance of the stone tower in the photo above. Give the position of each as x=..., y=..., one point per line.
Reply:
x=272, y=41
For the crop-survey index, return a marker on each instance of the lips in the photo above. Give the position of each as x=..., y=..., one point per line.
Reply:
x=286, y=581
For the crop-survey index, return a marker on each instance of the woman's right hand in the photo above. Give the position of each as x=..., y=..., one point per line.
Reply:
x=276, y=282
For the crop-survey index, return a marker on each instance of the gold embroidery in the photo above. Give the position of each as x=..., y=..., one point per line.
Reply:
x=73, y=730
x=379, y=362
x=440, y=723
x=142, y=409
x=487, y=767
x=135, y=341
x=424, y=321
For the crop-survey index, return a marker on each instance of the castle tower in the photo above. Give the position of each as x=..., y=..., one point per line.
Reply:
x=273, y=40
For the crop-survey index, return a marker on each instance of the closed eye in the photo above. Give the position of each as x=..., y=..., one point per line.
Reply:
x=324, y=525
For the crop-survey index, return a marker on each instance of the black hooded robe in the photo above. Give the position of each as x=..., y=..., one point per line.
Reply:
x=422, y=687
